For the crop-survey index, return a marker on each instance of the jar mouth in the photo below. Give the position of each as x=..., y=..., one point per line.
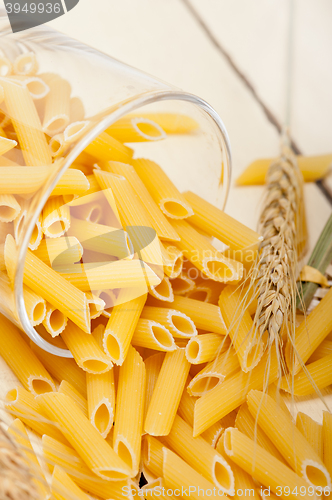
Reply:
x=117, y=112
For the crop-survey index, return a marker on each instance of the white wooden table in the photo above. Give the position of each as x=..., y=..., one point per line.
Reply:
x=182, y=42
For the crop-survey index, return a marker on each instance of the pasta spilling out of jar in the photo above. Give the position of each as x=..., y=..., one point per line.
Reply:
x=168, y=379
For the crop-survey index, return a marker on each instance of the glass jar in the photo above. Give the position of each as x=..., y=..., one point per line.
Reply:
x=109, y=90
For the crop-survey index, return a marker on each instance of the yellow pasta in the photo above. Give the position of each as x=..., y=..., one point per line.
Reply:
x=312, y=431
x=58, y=147
x=203, y=348
x=171, y=123
x=56, y=217
x=26, y=64
x=96, y=305
x=91, y=195
x=121, y=326
x=106, y=148
x=18, y=433
x=163, y=191
x=75, y=130
x=223, y=399
x=56, y=290
x=312, y=168
x=206, y=291
x=93, y=212
x=245, y=339
x=23, y=362
x=100, y=238
x=94, y=450
x=197, y=453
x=136, y=129
x=265, y=468
x=317, y=375
x=27, y=124
x=327, y=440
x=62, y=369
x=152, y=456
x=172, y=259
x=87, y=353
x=37, y=235
x=101, y=400
x=179, y=476
x=62, y=487
x=55, y=321
x=36, y=86
x=57, y=252
x=35, y=306
x=324, y=349
x=133, y=216
x=72, y=181
x=290, y=442
x=6, y=67
x=57, y=107
x=31, y=179
x=6, y=145
x=206, y=316
x=77, y=112
x=130, y=410
x=57, y=453
x=152, y=368
x=182, y=284
x=214, y=373
x=157, y=219
x=179, y=324
x=153, y=335
x=166, y=395
x=217, y=223
x=247, y=424
x=310, y=333
x=69, y=390
x=23, y=404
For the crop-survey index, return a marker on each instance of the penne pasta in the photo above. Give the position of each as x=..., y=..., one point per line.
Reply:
x=171, y=202
x=317, y=375
x=327, y=441
x=182, y=284
x=214, y=373
x=56, y=217
x=85, y=350
x=246, y=340
x=75, y=130
x=106, y=148
x=166, y=396
x=136, y=129
x=172, y=259
x=101, y=401
x=312, y=431
x=58, y=147
x=179, y=324
x=65, y=456
x=18, y=433
x=21, y=403
x=55, y=321
x=57, y=107
x=100, y=238
x=163, y=291
x=6, y=67
x=309, y=334
x=197, y=453
x=62, y=369
x=121, y=326
x=77, y=112
x=35, y=85
x=130, y=410
x=6, y=145
x=157, y=219
x=203, y=348
x=31, y=179
x=72, y=181
x=223, y=399
x=96, y=305
x=213, y=434
x=290, y=442
x=58, y=252
x=265, y=468
x=207, y=291
x=153, y=335
x=92, y=212
x=133, y=216
x=35, y=306
x=324, y=349
x=152, y=368
x=27, y=125
x=25, y=364
x=94, y=450
x=217, y=223
x=179, y=476
x=171, y=123
x=69, y=390
x=25, y=64
x=36, y=236
x=206, y=316
x=62, y=487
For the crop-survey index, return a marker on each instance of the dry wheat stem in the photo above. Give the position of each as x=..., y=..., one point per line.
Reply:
x=15, y=477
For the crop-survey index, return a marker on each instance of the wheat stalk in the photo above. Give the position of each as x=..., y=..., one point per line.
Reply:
x=15, y=477
x=273, y=278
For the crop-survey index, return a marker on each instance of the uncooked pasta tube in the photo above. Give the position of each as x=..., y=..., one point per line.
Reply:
x=203, y=348
x=56, y=217
x=179, y=324
x=55, y=321
x=172, y=259
x=106, y=148
x=153, y=335
x=63, y=487
x=136, y=129
x=327, y=440
x=172, y=203
x=319, y=372
x=26, y=64
x=312, y=431
x=167, y=393
x=101, y=400
x=152, y=368
x=163, y=291
x=35, y=306
x=60, y=251
x=182, y=284
x=36, y=86
x=68, y=389
x=57, y=107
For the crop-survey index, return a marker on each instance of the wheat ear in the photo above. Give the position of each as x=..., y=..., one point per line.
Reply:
x=273, y=278
x=15, y=477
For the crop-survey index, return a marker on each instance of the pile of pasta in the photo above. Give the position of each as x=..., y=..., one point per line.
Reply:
x=167, y=377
